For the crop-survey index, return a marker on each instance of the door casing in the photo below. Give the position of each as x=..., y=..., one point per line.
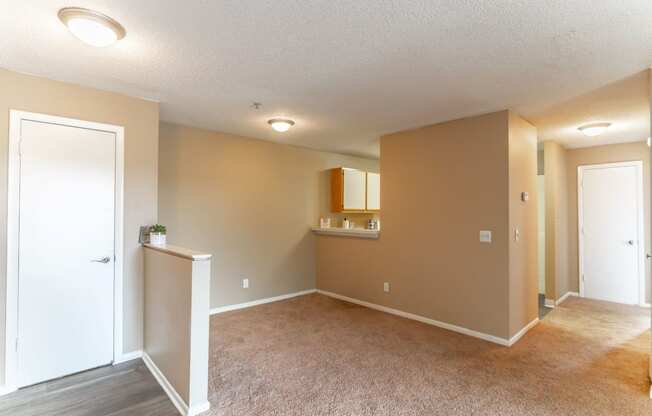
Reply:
x=13, y=215
x=640, y=229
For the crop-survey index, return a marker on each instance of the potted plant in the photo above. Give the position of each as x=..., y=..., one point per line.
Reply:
x=157, y=234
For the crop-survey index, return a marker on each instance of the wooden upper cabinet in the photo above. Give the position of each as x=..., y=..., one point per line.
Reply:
x=350, y=193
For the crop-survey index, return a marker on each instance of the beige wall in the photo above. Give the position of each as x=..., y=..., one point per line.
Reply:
x=176, y=321
x=556, y=188
x=251, y=204
x=523, y=254
x=440, y=186
x=592, y=156
x=140, y=119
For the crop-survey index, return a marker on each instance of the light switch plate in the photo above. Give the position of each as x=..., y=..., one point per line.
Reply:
x=245, y=283
x=386, y=287
x=485, y=236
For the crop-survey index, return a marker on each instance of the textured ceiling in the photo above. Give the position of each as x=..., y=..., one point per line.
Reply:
x=625, y=104
x=346, y=71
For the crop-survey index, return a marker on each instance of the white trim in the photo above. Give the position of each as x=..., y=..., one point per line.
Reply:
x=174, y=396
x=5, y=390
x=640, y=238
x=228, y=308
x=129, y=356
x=465, y=331
x=566, y=295
x=13, y=215
x=549, y=303
x=513, y=340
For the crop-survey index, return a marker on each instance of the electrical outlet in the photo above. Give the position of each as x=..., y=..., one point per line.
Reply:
x=386, y=287
x=485, y=236
x=245, y=283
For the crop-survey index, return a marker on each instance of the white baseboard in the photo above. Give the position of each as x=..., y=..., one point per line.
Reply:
x=549, y=303
x=178, y=402
x=563, y=298
x=228, y=308
x=6, y=390
x=129, y=356
x=470, y=332
x=513, y=340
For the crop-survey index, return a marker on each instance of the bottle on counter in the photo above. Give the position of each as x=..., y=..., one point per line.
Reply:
x=345, y=223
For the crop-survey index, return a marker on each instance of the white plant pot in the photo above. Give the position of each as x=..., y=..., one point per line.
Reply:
x=157, y=238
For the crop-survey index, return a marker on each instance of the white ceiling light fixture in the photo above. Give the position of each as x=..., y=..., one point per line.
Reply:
x=91, y=27
x=281, y=125
x=594, y=129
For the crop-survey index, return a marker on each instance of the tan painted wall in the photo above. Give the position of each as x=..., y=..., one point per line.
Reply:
x=176, y=321
x=523, y=254
x=167, y=316
x=592, y=156
x=556, y=186
x=140, y=119
x=251, y=204
x=441, y=185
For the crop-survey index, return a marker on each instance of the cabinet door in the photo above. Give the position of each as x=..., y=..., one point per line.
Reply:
x=373, y=191
x=354, y=189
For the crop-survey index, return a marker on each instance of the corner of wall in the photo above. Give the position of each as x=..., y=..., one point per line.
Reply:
x=523, y=237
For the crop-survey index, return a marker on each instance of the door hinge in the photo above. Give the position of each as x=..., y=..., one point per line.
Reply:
x=16, y=344
x=582, y=276
x=20, y=148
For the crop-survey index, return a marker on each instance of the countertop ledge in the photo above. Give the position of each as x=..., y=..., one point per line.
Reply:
x=347, y=232
x=179, y=252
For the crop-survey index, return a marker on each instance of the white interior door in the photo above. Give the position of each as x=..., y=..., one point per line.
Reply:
x=66, y=250
x=610, y=232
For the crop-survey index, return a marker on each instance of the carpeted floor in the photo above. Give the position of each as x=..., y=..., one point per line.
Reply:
x=314, y=355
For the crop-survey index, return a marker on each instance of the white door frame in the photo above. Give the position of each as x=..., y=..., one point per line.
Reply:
x=13, y=216
x=640, y=221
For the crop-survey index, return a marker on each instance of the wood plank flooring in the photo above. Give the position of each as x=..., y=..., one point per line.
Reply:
x=122, y=390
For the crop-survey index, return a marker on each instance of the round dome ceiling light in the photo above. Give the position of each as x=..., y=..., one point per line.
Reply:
x=594, y=129
x=91, y=27
x=281, y=125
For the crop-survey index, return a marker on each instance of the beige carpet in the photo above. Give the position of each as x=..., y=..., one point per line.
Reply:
x=314, y=355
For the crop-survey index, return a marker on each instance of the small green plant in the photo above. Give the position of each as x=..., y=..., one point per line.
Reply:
x=158, y=228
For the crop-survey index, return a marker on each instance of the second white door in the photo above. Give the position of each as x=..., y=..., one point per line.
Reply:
x=66, y=250
x=610, y=231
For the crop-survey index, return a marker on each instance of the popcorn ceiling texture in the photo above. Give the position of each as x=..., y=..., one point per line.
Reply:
x=347, y=72
x=314, y=355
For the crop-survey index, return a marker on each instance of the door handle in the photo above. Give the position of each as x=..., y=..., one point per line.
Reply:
x=630, y=242
x=102, y=260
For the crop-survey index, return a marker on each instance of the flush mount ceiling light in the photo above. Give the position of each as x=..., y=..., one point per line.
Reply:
x=281, y=124
x=594, y=129
x=91, y=27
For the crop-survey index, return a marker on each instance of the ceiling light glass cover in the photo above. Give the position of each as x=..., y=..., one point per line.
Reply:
x=91, y=27
x=281, y=124
x=594, y=129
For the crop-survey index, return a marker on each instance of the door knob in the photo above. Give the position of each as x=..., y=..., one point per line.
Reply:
x=630, y=242
x=102, y=260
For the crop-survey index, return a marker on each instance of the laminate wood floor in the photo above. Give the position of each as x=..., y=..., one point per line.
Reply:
x=125, y=389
